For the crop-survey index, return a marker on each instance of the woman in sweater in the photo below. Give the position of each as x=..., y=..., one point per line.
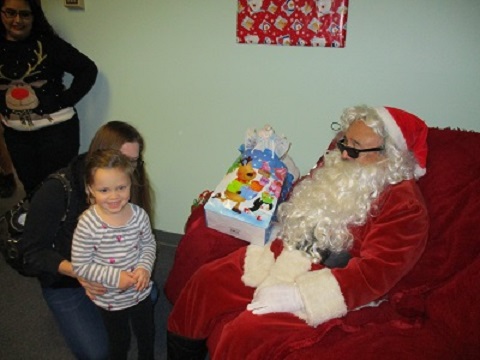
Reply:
x=36, y=108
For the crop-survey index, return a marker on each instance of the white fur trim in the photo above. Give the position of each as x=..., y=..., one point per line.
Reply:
x=258, y=261
x=419, y=171
x=288, y=266
x=321, y=296
x=392, y=128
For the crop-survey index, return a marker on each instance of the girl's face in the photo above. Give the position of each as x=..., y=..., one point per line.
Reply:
x=17, y=19
x=111, y=190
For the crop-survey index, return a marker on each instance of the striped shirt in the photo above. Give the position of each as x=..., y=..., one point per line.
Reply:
x=100, y=252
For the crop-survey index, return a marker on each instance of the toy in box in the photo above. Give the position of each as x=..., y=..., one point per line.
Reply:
x=244, y=202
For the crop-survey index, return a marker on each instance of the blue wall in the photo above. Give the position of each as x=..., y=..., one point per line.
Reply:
x=173, y=69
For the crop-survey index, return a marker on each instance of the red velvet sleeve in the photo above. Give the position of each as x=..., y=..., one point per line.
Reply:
x=387, y=247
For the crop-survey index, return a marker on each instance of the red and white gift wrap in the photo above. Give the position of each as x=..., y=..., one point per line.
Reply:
x=321, y=23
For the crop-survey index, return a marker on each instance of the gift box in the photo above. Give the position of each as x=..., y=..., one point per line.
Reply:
x=319, y=23
x=244, y=202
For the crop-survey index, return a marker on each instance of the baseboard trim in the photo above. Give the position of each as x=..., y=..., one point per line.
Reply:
x=167, y=238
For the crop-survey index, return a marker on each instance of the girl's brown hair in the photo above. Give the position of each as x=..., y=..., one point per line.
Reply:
x=113, y=135
x=107, y=159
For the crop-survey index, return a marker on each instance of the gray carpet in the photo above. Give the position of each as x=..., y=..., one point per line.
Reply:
x=27, y=328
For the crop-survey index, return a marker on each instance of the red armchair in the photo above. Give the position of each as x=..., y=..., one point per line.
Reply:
x=432, y=313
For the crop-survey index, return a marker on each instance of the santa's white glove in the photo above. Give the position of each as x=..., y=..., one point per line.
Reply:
x=276, y=298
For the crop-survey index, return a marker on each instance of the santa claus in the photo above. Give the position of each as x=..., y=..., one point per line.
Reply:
x=349, y=232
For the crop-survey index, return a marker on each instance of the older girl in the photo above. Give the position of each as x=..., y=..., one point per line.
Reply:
x=78, y=318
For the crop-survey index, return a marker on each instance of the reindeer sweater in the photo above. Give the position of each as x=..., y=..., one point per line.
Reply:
x=32, y=92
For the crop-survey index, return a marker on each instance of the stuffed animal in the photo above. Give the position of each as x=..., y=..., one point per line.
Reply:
x=239, y=190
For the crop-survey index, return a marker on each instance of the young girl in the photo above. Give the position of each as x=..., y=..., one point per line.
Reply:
x=113, y=245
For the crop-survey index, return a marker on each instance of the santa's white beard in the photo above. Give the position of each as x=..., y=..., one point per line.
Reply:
x=321, y=209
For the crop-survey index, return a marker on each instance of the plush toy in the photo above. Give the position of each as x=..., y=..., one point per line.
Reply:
x=238, y=190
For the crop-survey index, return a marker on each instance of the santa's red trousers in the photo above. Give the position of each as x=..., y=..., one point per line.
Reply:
x=212, y=306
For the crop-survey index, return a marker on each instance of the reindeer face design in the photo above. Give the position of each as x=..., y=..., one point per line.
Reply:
x=20, y=96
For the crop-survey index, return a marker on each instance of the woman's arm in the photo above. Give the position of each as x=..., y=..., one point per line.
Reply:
x=92, y=289
x=66, y=268
x=80, y=66
x=45, y=215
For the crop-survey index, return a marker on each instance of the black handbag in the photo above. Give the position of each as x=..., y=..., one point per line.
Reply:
x=12, y=225
x=11, y=229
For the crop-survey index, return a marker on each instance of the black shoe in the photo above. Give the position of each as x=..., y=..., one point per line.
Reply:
x=182, y=348
x=7, y=185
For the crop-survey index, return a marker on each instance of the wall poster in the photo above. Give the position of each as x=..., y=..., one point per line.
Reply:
x=292, y=22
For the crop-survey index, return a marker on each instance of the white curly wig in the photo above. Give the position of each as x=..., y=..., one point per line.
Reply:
x=341, y=194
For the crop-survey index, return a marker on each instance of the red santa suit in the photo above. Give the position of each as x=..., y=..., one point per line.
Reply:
x=213, y=304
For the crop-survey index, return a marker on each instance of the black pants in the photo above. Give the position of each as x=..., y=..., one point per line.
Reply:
x=118, y=323
x=37, y=154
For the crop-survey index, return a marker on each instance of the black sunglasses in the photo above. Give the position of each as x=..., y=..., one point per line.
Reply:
x=352, y=152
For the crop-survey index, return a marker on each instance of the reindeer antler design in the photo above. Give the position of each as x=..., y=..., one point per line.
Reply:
x=40, y=58
x=30, y=71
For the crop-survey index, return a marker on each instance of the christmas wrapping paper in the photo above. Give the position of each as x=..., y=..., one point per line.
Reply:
x=320, y=23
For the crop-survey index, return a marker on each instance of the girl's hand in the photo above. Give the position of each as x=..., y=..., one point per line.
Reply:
x=126, y=280
x=142, y=276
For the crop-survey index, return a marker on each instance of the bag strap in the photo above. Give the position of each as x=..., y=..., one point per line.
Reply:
x=61, y=176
